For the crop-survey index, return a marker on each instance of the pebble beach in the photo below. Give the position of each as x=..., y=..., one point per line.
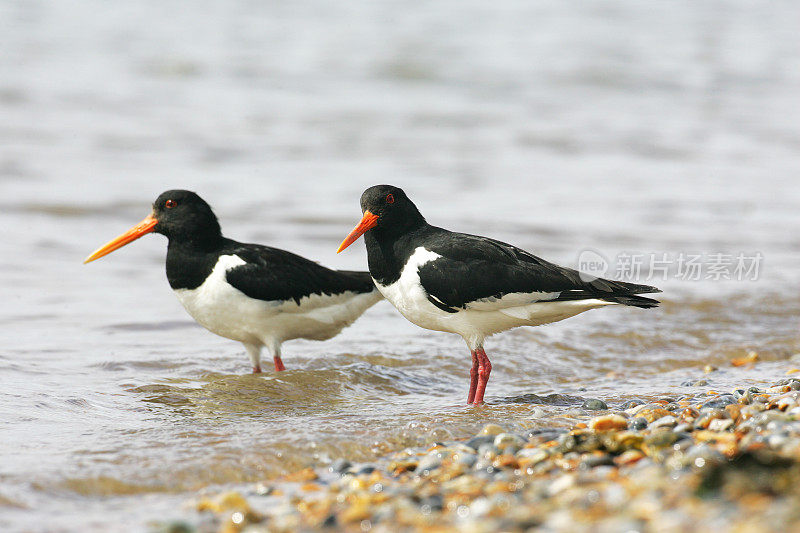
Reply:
x=728, y=460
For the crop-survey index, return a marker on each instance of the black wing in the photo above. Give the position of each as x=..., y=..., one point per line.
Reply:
x=274, y=274
x=473, y=268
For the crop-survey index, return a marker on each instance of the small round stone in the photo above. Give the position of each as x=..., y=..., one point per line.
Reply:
x=719, y=402
x=488, y=451
x=505, y=440
x=665, y=421
x=544, y=434
x=661, y=439
x=638, y=423
x=653, y=414
x=608, y=423
x=631, y=403
x=476, y=442
x=720, y=424
x=594, y=404
x=467, y=459
x=492, y=429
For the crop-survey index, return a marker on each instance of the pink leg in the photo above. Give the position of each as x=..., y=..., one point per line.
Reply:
x=257, y=369
x=473, y=377
x=278, y=363
x=484, y=369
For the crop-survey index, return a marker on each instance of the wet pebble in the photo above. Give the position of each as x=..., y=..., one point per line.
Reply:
x=428, y=463
x=544, y=434
x=720, y=424
x=608, y=422
x=596, y=459
x=637, y=423
x=488, y=451
x=719, y=401
x=467, y=459
x=668, y=421
x=661, y=439
x=702, y=455
x=534, y=455
x=504, y=441
x=491, y=429
x=651, y=414
x=339, y=466
x=476, y=442
x=593, y=404
x=707, y=416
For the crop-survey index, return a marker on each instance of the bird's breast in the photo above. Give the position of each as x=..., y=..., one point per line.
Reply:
x=215, y=302
x=407, y=293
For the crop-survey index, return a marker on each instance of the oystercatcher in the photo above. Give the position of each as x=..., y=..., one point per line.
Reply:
x=257, y=295
x=471, y=285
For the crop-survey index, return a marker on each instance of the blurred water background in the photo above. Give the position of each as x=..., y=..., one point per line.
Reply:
x=617, y=127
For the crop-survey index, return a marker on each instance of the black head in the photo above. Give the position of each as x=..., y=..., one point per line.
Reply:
x=393, y=207
x=387, y=212
x=181, y=215
x=184, y=216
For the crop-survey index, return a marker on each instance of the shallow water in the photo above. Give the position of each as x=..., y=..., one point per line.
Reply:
x=613, y=128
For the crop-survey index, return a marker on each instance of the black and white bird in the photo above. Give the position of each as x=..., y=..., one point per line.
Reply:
x=257, y=295
x=471, y=285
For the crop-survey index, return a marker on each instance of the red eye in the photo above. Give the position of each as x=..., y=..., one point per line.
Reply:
x=170, y=204
x=389, y=198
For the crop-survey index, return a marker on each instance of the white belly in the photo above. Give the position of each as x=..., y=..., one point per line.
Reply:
x=228, y=312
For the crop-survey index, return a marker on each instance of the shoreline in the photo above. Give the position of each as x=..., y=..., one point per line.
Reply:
x=728, y=460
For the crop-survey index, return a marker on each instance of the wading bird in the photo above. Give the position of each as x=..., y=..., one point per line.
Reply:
x=471, y=285
x=257, y=295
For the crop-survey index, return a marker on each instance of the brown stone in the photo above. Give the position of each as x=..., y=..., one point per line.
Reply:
x=608, y=423
x=651, y=415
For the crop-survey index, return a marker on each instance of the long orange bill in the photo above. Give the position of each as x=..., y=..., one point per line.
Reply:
x=142, y=228
x=368, y=222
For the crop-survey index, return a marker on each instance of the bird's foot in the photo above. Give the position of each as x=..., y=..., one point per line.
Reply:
x=257, y=369
x=278, y=364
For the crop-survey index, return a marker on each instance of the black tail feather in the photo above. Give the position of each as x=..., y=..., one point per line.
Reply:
x=601, y=285
x=634, y=301
x=613, y=291
x=624, y=293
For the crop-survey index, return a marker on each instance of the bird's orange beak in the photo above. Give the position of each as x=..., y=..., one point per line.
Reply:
x=368, y=222
x=142, y=228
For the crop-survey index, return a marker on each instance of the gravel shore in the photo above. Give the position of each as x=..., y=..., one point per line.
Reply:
x=728, y=461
